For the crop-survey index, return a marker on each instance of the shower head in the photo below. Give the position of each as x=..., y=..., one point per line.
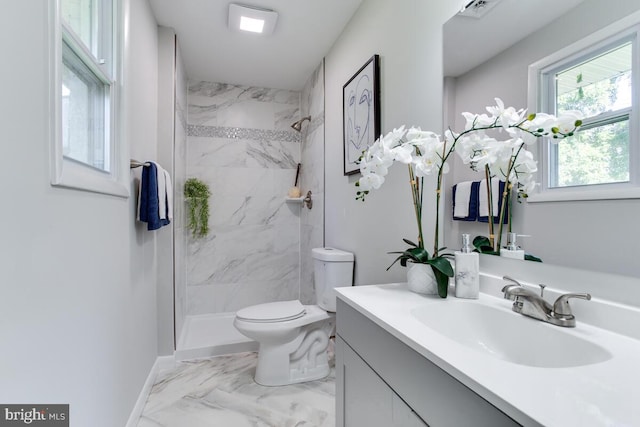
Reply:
x=298, y=125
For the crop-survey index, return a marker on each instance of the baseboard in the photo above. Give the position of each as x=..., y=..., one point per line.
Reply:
x=161, y=364
x=215, y=350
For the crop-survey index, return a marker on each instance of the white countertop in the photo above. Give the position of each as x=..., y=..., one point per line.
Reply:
x=601, y=394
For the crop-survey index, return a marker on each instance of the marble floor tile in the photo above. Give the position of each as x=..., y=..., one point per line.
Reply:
x=220, y=391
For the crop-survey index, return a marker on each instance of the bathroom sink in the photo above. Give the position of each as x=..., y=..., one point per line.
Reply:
x=499, y=332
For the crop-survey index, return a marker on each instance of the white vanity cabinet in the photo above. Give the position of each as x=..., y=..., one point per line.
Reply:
x=369, y=400
x=380, y=381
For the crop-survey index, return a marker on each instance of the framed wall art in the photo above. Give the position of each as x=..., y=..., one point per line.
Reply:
x=361, y=113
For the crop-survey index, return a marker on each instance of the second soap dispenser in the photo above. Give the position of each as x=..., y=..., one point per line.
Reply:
x=467, y=271
x=512, y=250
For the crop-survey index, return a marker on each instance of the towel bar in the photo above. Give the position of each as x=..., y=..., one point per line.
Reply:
x=136, y=164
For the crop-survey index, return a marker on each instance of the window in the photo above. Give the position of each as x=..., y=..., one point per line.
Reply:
x=600, y=87
x=85, y=154
x=599, y=77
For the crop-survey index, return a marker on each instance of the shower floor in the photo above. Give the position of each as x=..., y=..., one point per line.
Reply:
x=207, y=335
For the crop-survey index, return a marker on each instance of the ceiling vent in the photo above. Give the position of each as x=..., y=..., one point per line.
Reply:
x=477, y=8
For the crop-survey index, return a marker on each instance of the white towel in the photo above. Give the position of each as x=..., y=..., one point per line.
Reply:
x=463, y=194
x=139, y=197
x=162, y=192
x=483, y=197
x=169, y=194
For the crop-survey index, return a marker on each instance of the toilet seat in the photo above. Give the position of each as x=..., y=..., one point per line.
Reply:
x=272, y=312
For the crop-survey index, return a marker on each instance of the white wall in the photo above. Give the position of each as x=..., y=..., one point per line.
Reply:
x=78, y=304
x=407, y=34
x=179, y=206
x=594, y=235
x=167, y=128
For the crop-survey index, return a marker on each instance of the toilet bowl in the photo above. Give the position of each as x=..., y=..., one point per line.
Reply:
x=293, y=337
x=293, y=348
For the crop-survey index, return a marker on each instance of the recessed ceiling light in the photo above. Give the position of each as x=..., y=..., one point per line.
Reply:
x=250, y=24
x=252, y=19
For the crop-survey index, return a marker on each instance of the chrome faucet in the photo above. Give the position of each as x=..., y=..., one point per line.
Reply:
x=529, y=304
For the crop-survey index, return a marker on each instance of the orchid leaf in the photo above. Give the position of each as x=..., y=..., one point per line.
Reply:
x=529, y=257
x=483, y=244
x=442, y=265
x=417, y=255
x=410, y=243
x=443, y=282
x=400, y=258
x=442, y=269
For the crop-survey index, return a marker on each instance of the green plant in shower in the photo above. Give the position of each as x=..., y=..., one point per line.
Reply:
x=197, y=194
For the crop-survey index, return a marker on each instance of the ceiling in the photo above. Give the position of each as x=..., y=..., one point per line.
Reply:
x=305, y=31
x=468, y=42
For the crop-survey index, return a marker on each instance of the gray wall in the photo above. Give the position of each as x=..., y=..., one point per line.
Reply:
x=78, y=274
x=407, y=34
x=166, y=102
x=180, y=168
x=172, y=145
x=594, y=235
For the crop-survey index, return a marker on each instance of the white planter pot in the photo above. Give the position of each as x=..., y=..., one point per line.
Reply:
x=421, y=279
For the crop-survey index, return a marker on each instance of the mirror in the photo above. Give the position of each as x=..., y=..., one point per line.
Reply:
x=487, y=55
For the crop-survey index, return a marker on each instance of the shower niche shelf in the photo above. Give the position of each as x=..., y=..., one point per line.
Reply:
x=306, y=200
x=295, y=200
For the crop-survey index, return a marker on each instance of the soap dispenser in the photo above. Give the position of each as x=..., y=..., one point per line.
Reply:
x=467, y=271
x=512, y=250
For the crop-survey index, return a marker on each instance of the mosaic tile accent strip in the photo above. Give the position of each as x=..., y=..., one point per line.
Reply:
x=243, y=133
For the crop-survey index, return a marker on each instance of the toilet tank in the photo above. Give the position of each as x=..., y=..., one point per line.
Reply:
x=332, y=268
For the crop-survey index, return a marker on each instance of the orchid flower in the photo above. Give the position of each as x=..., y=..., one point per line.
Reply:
x=425, y=153
x=505, y=117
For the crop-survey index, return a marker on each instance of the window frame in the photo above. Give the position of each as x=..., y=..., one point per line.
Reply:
x=540, y=99
x=65, y=171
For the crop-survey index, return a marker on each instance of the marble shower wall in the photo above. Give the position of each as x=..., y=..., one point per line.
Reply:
x=312, y=178
x=240, y=142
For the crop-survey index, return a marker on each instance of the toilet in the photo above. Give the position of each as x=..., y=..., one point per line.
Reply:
x=293, y=337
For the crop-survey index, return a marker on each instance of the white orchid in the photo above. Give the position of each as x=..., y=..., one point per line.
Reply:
x=428, y=142
x=377, y=162
x=527, y=186
x=425, y=153
x=418, y=136
x=522, y=168
x=567, y=122
x=429, y=163
x=539, y=124
x=477, y=150
x=391, y=139
x=505, y=117
x=371, y=181
x=403, y=153
x=475, y=121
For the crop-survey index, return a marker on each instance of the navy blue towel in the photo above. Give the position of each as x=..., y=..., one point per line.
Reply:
x=496, y=218
x=149, y=204
x=473, y=202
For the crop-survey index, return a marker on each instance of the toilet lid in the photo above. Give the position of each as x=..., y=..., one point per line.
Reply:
x=272, y=312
